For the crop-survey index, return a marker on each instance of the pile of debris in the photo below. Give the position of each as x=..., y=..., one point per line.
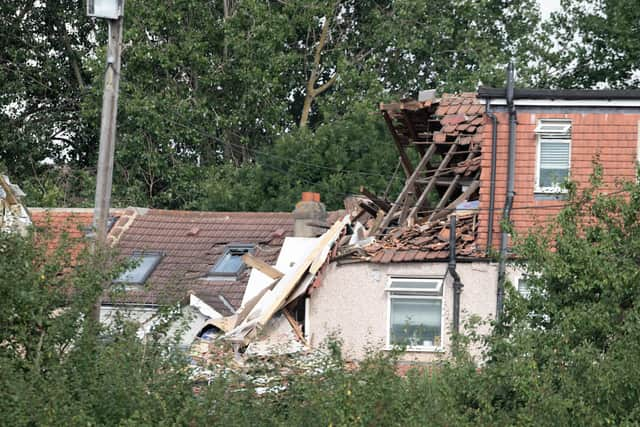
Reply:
x=425, y=242
x=14, y=217
x=262, y=367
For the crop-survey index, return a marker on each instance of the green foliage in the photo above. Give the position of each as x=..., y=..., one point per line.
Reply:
x=55, y=369
x=334, y=160
x=206, y=89
x=598, y=43
x=566, y=355
x=561, y=353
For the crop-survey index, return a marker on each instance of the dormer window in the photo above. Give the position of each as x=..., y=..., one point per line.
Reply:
x=230, y=264
x=144, y=264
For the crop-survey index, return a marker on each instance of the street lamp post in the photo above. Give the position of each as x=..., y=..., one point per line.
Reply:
x=112, y=10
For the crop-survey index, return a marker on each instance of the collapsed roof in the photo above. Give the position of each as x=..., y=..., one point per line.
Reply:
x=440, y=146
x=444, y=137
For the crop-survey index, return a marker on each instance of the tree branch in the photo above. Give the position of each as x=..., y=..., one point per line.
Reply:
x=312, y=91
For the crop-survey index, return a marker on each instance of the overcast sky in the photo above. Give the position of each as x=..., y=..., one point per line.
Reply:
x=548, y=6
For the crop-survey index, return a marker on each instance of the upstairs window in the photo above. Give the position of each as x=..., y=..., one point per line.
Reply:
x=143, y=265
x=553, y=155
x=230, y=264
x=415, y=313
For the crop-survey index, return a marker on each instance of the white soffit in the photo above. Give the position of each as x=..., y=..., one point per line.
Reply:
x=569, y=102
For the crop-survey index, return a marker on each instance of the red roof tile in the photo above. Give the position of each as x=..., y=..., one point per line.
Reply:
x=189, y=256
x=426, y=241
x=191, y=243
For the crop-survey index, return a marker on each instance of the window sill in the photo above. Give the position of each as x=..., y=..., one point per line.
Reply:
x=550, y=194
x=417, y=349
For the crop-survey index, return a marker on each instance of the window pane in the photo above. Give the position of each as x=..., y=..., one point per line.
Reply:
x=230, y=263
x=552, y=177
x=416, y=322
x=429, y=285
x=554, y=154
x=523, y=287
x=139, y=274
x=553, y=127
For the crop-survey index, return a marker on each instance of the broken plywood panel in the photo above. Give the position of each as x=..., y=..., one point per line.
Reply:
x=275, y=299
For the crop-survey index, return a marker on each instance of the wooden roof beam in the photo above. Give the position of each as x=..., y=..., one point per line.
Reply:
x=408, y=186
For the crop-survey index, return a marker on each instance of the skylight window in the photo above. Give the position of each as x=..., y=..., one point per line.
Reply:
x=144, y=264
x=230, y=263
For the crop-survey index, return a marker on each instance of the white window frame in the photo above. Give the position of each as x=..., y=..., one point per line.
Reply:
x=544, y=136
x=523, y=286
x=409, y=293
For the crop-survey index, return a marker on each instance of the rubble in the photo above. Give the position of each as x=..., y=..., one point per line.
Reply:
x=14, y=217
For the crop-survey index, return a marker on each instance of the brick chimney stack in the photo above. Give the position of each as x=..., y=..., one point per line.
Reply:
x=309, y=211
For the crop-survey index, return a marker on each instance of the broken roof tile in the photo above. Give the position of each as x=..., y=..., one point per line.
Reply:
x=425, y=242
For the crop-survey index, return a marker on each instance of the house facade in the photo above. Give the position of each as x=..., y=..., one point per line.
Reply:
x=408, y=287
x=558, y=134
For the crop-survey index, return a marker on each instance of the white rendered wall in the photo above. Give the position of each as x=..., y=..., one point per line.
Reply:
x=352, y=303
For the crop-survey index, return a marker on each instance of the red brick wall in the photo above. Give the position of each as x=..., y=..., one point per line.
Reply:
x=614, y=136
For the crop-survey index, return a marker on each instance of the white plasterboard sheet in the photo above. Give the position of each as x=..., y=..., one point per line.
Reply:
x=293, y=251
x=203, y=307
x=301, y=288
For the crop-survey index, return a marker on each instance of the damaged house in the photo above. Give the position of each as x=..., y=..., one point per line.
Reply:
x=413, y=270
x=194, y=259
x=408, y=271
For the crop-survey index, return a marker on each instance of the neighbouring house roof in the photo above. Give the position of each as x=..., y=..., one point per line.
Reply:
x=191, y=244
x=72, y=224
x=446, y=136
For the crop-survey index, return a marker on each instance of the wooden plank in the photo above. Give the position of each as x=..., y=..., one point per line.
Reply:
x=404, y=158
x=291, y=279
x=404, y=212
x=412, y=131
x=261, y=266
x=447, y=194
x=408, y=186
x=423, y=197
x=368, y=209
x=295, y=326
x=451, y=206
x=382, y=204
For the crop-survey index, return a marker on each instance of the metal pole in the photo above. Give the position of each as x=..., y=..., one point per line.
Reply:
x=511, y=173
x=107, y=140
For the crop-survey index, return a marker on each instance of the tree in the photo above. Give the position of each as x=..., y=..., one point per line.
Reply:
x=206, y=85
x=566, y=355
x=54, y=368
x=597, y=44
